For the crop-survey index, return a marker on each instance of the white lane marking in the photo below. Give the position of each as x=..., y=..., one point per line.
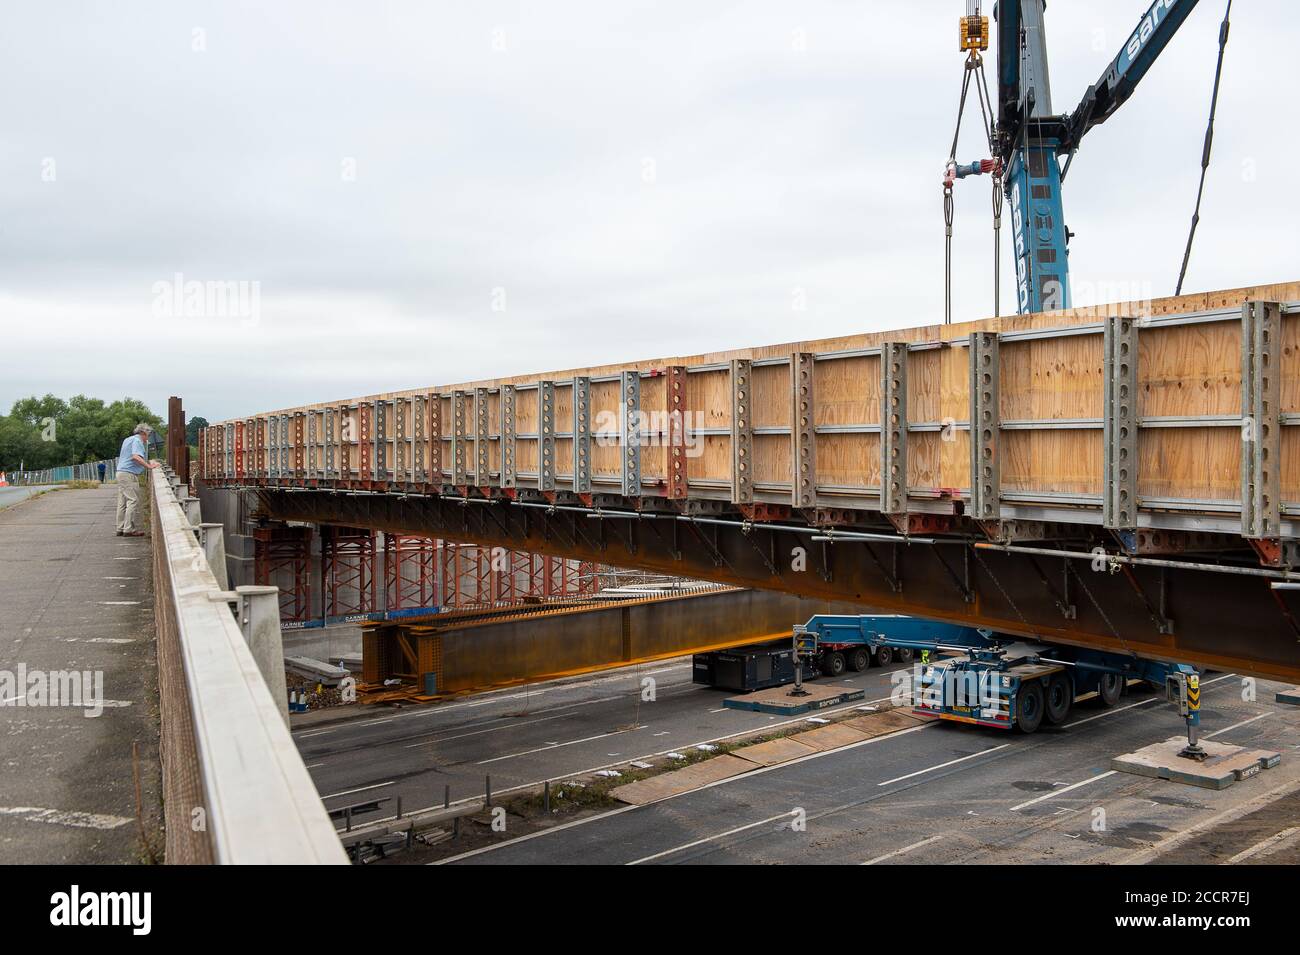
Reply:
x=127, y=558
x=789, y=814
x=492, y=729
x=550, y=746
x=1267, y=846
x=716, y=739
x=499, y=696
x=1234, y=726
x=121, y=578
x=387, y=719
x=721, y=782
x=1194, y=831
x=1065, y=789
x=951, y=762
x=534, y=835
x=349, y=792
x=60, y=817
x=495, y=696
x=314, y=765
x=662, y=752
x=98, y=640
x=1121, y=709
x=514, y=720
x=118, y=603
x=721, y=709
x=904, y=850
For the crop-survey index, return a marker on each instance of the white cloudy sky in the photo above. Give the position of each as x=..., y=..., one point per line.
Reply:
x=503, y=145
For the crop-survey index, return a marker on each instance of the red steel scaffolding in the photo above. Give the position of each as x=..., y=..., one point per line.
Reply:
x=347, y=570
x=473, y=576
x=282, y=556
x=418, y=572
x=410, y=571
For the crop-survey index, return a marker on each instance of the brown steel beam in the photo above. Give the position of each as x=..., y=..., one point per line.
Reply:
x=1219, y=621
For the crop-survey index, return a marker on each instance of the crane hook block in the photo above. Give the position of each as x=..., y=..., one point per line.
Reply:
x=974, y=33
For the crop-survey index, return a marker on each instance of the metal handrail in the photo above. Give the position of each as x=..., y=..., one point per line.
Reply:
x=259, y=803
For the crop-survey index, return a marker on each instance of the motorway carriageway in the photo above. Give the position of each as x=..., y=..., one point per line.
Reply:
x=522, y=736
x=947, y=793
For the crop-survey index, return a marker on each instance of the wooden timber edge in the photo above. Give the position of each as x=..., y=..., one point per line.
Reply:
x=956, y=332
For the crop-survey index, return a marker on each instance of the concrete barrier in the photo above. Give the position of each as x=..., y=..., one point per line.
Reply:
x=235, y=789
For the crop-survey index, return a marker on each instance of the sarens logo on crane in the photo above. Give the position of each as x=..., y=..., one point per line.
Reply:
x=1017, y=228
x=1159, y=10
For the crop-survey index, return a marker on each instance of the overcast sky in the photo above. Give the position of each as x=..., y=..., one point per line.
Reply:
x=433, y=192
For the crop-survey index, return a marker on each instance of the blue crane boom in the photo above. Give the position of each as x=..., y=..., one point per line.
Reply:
x=1029, y=136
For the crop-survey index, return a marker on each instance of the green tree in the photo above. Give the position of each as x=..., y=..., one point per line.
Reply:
x=192, y=428
x=49, y=432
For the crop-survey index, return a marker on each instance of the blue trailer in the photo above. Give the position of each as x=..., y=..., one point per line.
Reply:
x=1000, y=681
x=833, y=643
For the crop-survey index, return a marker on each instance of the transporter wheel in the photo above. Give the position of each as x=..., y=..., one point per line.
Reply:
x=1029, y=707
x=905, y=654
x=1060, y=697
x=1110, y=688
x=833, y=663
x=859, y=659
x=884, y=656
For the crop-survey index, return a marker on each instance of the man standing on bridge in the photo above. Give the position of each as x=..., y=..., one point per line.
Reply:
x=131, y=463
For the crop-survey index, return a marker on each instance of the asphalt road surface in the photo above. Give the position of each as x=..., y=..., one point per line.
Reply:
x=949, y=793
x=523, y=736
x=12, y=495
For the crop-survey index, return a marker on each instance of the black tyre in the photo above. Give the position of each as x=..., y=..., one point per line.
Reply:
x=859, y=659
x=884, y=656
x=833, y=663
x=1029, y=707
x=1060, y=697
x=905, y=654
x=1110, y=688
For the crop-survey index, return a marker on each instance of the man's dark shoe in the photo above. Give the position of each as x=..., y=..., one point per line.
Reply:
x=133, y=534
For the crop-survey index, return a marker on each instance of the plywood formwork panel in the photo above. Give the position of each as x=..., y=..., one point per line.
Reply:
x=1078, y=457
x=772, y=459
x=1190, y=370
x=849, y=460
x=1190, y=463
x=1291, y=465
x=848, y=391
x=772, y=400
x=564, y=458
x=924, y=392
x=925, y=461
x=708, y=398
x=654, y=463
x=1186, y=370
x=1052, y=379
x=713, y=460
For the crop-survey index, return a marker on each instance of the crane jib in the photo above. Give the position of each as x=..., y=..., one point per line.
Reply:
x=1145, y=30
x=1030, y=136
